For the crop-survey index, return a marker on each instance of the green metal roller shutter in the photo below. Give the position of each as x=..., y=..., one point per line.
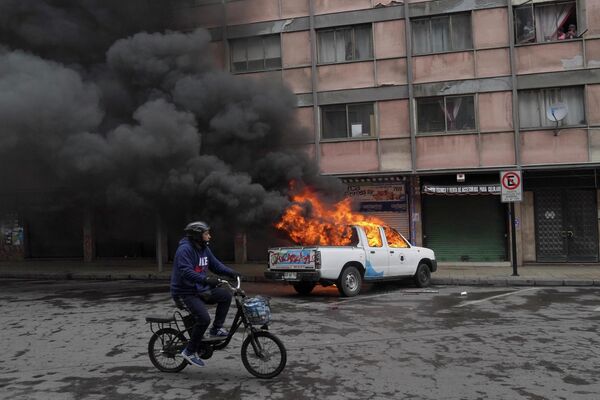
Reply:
x=465, y=228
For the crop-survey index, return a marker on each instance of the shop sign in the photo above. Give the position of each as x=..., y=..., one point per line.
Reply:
x=373, y=198
x=461, y=189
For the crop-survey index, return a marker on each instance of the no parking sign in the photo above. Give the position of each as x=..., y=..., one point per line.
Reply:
x=511, y=185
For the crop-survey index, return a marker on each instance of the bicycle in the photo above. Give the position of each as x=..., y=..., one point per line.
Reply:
x=263, y=354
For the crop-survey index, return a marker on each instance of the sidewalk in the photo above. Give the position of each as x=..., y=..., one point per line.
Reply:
x=529, y=275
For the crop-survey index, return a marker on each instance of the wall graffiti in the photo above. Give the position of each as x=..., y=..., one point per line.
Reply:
x=373, y=198
x=11, y=241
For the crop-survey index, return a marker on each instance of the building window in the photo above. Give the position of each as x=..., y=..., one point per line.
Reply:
x=345, y=44
x=347, y=120
x=443, y=33
x=446, y=114
x=535, y=107
x=257, y=53
x=545, y=22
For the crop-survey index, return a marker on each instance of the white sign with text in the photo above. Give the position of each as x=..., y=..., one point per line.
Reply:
x=511, y=184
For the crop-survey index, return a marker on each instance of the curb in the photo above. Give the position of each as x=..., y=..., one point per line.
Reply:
x=446, y=281
x=506, y=282
x=101, y=277
x=82, y=277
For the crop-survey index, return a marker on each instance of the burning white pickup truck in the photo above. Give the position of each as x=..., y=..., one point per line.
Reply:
x=369, y=252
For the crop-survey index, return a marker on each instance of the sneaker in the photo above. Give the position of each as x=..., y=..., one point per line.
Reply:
x=220, y=332
x=193, y=359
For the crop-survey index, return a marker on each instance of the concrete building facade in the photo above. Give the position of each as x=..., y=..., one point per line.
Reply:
x=419, y=105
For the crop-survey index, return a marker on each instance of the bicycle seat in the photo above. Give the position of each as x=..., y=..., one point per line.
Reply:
x=160, y=320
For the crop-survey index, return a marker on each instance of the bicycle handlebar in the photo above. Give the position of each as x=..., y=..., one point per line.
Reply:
x=227, y=283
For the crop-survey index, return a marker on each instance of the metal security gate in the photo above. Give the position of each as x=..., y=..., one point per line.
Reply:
x=566, y=225
x=465, y=228
x=397, y=220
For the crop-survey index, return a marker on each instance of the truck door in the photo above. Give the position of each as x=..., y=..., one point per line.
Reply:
x=377, y=254
x=401, y=259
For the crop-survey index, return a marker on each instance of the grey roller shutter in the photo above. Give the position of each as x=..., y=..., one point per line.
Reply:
x=397, y=220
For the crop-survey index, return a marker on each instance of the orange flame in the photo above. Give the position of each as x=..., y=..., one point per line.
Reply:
x=308, y=221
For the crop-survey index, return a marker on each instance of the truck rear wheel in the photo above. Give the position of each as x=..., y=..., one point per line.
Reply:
x=423, y=276
x=350, y=282
x=304, y=288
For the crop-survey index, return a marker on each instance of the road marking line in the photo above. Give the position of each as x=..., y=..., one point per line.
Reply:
x=468, y=303
x=367, y=297
x=597, y=309
x=339, y=302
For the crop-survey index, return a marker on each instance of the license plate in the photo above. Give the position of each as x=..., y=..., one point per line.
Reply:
x=289, y=275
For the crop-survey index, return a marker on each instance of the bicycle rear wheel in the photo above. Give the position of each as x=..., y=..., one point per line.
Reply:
x=263, y=355
x=164, y=350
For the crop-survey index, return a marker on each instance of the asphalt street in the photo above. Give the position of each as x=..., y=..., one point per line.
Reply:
x=88, y=340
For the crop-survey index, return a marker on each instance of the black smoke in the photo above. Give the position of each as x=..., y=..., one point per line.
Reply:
x=100, y=101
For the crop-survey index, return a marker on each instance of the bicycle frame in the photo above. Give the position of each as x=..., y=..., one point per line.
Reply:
x=238, y=320
x=174, y=333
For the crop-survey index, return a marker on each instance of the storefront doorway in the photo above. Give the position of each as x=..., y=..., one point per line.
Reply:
x=566, y=224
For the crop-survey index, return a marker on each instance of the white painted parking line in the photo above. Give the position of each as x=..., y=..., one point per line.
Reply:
x=361, y=297
x=468, y=303
x=313, y=304
x=394, y=292
x=365, y=297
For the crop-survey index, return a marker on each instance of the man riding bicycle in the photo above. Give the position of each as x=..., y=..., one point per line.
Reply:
x=191, y=285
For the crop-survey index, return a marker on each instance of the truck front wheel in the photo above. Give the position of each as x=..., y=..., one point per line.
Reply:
x=304, y=288
x=423, y=276
x=350, y=282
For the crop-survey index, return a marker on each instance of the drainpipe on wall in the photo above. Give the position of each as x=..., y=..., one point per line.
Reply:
x=313, y=69
x=224, y=35
x=409, y=77
x=416, y=231
x=513, y=76
x=516, y=250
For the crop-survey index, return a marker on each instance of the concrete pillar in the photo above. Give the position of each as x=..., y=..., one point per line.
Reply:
x=161, y=244
x=527, y=220
x=519, y=231
x=416, y=216
x=89, y=237
x=240, y=248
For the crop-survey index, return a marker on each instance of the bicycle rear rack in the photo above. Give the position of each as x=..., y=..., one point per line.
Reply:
x=161, y=322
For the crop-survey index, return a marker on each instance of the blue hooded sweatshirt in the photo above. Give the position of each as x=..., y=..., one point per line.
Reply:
x=191, y=266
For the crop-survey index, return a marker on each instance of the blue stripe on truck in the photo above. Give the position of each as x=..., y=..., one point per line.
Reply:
x=371, y=273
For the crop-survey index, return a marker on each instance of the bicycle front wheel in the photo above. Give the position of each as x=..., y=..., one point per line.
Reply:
x=164, y=350
x=263, y=355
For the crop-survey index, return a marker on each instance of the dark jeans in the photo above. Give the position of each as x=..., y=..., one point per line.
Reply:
x=196, y=304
